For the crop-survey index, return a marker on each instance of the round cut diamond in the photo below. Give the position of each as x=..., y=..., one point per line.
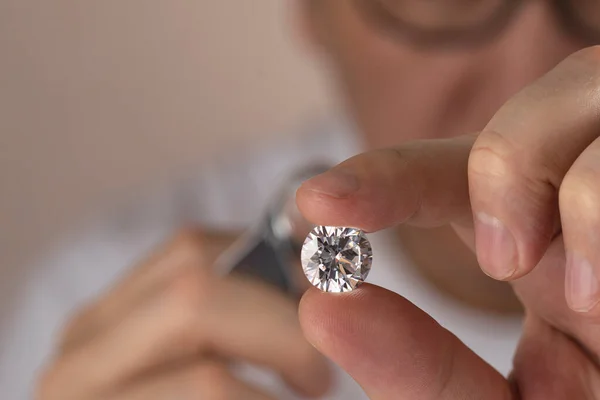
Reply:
x=336, y=259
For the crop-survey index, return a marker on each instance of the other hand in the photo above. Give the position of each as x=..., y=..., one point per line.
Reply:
x=169, y=330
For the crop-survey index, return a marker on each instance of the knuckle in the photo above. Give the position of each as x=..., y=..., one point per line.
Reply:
x=580, y=192
x=181, y=333
x=213, y=381
x=186, y=299
x=182, y=325
x=190, y=289
x=191, y=281
x=491, y=157
x=188, y=244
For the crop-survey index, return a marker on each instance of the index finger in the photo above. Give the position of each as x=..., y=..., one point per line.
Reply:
x=421, y=183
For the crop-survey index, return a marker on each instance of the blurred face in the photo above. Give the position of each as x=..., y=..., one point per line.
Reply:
x=401, y=85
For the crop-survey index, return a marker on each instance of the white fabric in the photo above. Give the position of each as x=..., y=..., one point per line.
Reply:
x=229, y=194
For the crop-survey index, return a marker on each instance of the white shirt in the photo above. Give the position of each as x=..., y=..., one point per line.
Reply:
x=229, y=194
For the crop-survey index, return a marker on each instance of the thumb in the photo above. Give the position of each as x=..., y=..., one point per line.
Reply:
x=394, y=350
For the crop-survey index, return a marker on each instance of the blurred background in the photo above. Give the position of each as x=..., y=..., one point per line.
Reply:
x=108, y=103
x=99, y=99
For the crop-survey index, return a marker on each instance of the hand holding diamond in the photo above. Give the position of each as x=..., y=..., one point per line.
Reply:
x=524, y=195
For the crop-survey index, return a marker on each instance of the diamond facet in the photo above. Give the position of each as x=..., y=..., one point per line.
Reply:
x=336, y=259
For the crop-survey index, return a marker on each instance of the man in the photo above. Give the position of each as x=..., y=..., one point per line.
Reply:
x=522, y=195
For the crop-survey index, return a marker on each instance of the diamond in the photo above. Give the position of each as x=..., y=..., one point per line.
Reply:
x=336, y=259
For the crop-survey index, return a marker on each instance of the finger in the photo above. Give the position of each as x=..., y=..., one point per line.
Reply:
x=187, y=248
x=206, y=381
x=231, y=318
x=542, y=293
x=519, y=160
x=394, y=350
x=182, y=251
x=580, y=215
x=421, y=183
x=550, y=365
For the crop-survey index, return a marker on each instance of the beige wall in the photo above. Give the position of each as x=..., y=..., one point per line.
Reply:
x=98, y=97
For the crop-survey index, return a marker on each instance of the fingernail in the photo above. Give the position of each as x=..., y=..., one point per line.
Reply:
x=496, y=247
x=336, y=182
x=581, y=284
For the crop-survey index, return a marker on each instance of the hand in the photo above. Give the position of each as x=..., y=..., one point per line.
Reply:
x=525, y=195
x=169, y=329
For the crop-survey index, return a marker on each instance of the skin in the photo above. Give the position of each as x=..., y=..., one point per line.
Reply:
x=169, y=329
x=519, y=198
